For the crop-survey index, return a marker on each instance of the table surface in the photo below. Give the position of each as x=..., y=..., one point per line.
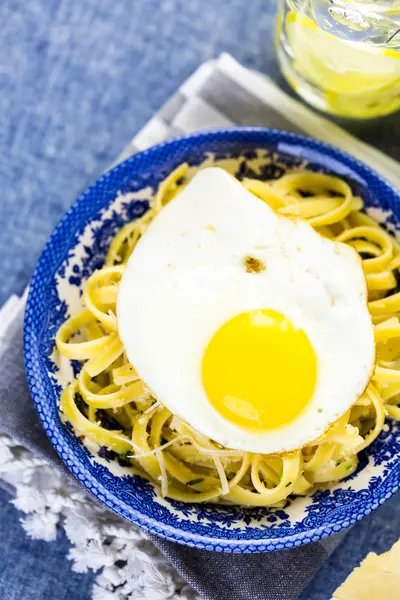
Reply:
x=77, y=80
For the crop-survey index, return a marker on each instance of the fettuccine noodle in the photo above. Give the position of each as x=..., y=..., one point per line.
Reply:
x=111, y=406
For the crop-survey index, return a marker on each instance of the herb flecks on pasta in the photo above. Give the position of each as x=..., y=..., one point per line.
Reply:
x=111, y=406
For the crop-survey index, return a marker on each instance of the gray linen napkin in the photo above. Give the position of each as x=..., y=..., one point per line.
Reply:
x=220, y=93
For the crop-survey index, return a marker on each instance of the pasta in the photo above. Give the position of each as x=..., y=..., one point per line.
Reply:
x=111, y=406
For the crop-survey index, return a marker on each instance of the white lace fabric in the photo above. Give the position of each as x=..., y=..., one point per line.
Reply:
x=127, y=563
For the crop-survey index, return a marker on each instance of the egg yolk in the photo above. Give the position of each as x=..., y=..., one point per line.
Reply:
x=258, y=371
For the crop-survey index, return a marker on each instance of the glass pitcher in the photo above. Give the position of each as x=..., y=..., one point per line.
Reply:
x=342, y=56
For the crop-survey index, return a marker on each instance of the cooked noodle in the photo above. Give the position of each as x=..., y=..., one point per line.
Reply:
x=110, y=405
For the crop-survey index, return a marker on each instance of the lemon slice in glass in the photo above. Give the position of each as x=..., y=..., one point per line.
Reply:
x=339, y=66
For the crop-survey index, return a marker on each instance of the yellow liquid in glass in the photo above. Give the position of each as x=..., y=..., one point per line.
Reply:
x=347, y=78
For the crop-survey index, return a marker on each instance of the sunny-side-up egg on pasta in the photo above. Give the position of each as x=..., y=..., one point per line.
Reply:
x=250, y=326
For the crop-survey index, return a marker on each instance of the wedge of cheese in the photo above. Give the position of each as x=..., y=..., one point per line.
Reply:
x=377, y=578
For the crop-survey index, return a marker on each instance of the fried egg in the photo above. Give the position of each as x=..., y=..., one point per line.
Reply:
x=250, y=326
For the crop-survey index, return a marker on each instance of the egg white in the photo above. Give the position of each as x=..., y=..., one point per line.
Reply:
x=186, y=278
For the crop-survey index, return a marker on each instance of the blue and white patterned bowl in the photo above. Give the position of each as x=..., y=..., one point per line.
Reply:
x=78, y=246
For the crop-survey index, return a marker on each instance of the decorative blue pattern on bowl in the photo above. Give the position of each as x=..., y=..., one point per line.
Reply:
x=78, y=246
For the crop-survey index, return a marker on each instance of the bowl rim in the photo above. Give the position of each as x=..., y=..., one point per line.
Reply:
x=56, y=431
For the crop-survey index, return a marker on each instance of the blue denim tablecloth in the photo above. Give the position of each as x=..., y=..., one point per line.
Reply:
x=77, y=79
